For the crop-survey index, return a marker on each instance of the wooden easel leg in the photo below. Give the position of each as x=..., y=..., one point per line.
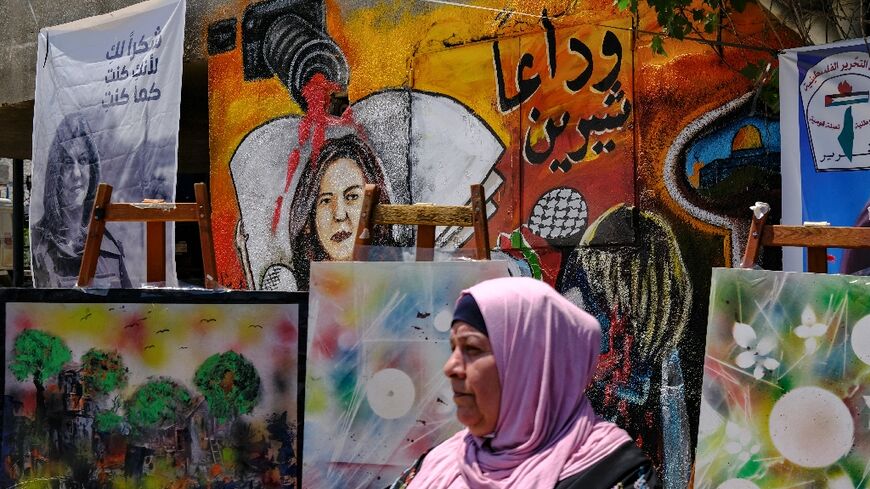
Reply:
x=206, y=241
x=478, y=217
x=425, y=243
x=155, y=252
x=96, y=229
x=371, y=195
x=817, y=260
x=753, y=244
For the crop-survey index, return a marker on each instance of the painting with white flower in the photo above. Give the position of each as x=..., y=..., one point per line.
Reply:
x=786, y=394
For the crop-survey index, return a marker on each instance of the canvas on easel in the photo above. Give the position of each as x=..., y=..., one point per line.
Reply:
x=786, y=392
x=376, y=397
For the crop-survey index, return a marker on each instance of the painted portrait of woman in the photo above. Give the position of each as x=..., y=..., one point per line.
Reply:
x=58, y=238
x=326, y=206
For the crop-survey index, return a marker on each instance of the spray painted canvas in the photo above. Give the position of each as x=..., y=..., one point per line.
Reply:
x=375, y=395
x=150, y=389
x=786, y=396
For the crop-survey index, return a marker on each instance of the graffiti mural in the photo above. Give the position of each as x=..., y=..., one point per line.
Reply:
x=564, y=96
x=642, y=297
x=565, y=92
x=688, y=122
x=593, y=151
x=150, y=388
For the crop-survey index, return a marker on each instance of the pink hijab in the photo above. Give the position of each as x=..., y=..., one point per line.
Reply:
x=545, y=350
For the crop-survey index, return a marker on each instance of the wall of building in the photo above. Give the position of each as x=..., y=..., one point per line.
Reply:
x=618, y=176
x=592, y=149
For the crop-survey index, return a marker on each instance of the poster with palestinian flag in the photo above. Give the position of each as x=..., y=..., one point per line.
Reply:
x=825, y=129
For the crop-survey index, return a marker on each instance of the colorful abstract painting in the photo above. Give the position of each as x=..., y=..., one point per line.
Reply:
x=375, y=395
x=150, y=389
x=786, y=396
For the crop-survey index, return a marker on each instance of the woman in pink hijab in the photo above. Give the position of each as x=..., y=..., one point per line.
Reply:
x=522, y=356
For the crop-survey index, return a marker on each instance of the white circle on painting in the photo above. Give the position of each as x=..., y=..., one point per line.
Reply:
x=861, y=339
x=737, y=484
x=443, y=320
x=390, y=393
x=811, y=427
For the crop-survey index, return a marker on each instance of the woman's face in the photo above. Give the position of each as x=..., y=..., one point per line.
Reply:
x=474, y=379
x=338, y=207
x=75, y=170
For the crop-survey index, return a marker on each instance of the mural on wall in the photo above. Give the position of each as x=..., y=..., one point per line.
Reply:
x=298, y=179
x=590, y=147
x=150, y=388
x=565, y=92
x=687, y=123
x=642, y=297
x=376, y=397
x=785, y=397
x=722, y=163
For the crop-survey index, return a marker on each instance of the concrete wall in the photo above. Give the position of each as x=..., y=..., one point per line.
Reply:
x=21, y=21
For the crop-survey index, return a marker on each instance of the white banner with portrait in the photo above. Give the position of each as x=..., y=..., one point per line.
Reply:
x=107, y=106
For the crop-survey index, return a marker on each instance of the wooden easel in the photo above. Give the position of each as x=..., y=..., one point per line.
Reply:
x=155, y=215
x=426, y=217
x=816, y=239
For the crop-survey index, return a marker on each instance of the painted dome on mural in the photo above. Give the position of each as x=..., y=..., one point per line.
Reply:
x=748, y=137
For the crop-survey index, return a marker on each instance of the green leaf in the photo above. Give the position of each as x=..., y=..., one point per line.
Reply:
x=697, y=15
x=751, y=71
x=680, y=26
x=623, y=4
x=157, y=403
x=711, y=22
x=103, y=371
x=107, y=421
x=658, y=46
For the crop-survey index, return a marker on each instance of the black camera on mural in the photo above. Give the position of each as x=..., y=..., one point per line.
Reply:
x=286, y=38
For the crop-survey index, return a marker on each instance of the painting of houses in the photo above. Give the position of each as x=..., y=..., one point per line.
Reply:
x=163, y=390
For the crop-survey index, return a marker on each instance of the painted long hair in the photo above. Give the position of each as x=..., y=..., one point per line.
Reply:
x=73, y=128
x=642, y=295
x=303, y=232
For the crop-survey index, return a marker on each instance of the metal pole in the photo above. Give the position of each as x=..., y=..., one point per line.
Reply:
x=18, y=223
